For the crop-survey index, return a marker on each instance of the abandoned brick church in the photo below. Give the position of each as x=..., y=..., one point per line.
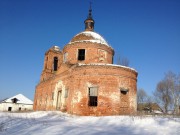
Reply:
x=81, y=78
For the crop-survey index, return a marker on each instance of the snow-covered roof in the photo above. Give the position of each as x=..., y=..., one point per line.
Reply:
x=103, y=64
x=55, y=48
x=21, y=99
x=157, y=112
x=89, y=36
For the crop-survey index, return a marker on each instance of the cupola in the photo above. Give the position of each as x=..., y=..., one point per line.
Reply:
x=89, y=22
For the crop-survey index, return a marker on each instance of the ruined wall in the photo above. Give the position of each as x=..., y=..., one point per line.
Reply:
x=46, y=93
x=108, y=79
x=67, y=89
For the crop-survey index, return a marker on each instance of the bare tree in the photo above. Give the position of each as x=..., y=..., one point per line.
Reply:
x=123, y=61
x=176, y=94
x=162, y=95
x=141, y=96
x=168, y=92
x=118, y=60
x=144, y=101
x=150, y=102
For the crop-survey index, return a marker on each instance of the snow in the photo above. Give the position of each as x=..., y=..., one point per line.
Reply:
x=103, y=64
x=96, y=38
x=21, y=99
x=56, y=48
x=57, y=123
x=157, y=112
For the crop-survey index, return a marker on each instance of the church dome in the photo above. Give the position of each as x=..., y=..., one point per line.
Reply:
x=88, y=36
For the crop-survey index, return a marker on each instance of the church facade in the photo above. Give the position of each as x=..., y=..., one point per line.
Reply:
x=81, y=78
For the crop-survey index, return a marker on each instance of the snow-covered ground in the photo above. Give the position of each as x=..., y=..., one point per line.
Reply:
x=57, y=123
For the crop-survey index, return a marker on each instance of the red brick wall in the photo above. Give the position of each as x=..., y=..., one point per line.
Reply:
x=77, y=79
x=95, y=53
x=109, y=95
x=48, y=63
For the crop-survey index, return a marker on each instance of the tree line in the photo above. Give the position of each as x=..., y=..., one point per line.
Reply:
x=166, y=94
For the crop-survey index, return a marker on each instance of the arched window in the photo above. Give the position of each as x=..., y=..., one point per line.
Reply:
x=55, y=63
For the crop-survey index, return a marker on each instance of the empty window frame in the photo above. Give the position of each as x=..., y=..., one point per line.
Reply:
x=81, y=54
x=93, y=96
x=55, y=63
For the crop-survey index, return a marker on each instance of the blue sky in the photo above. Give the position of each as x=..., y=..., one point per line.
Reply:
x=147, y=32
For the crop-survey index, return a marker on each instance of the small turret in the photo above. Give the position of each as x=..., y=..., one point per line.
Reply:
x=89, y=22
x=53, y=60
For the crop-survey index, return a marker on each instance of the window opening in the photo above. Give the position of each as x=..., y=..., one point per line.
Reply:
x=112, y=60
x=9, y=108
x=124, y=91
x=14, y=100
x=81, y=54
x=55, y=63
x=93, y=100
